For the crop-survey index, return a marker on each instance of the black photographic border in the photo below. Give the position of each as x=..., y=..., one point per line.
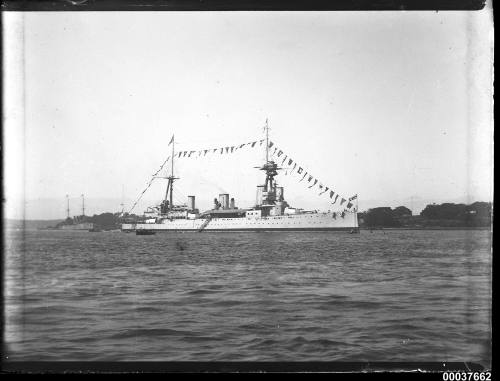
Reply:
x=385, y=369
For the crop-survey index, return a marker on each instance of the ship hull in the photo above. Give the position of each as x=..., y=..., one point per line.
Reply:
x=302, y=222
x=244, y=230
x=83, y=226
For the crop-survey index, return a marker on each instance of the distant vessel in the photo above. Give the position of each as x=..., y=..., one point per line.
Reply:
x=77, y=222
x=271, y=212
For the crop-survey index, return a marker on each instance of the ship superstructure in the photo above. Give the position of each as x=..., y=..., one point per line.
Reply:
x=271, y=212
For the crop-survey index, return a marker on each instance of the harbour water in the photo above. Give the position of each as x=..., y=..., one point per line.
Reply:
x=396, y=295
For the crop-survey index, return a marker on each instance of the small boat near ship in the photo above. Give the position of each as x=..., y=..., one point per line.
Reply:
x=271, y=211
x=144, y=232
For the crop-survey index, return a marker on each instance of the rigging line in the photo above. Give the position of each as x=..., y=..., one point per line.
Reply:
x=142, y=194
x=180, y=191
x=161, y=167
x=150, y=182
x=177, y=201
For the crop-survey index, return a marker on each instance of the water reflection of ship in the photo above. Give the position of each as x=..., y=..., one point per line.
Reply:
x=271, y=211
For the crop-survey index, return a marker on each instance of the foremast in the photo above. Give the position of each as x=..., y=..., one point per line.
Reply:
x=167, y=204
x=267, y=194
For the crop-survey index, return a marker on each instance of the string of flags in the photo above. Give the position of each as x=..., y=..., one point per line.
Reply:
x=218, y=150
x=311, y=181
x=150, y=182
x=281, y=157
x=196, y=154
x=141, y=194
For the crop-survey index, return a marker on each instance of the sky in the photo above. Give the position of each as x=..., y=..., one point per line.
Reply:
x=393, y=106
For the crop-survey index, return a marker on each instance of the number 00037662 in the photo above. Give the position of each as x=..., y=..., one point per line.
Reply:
x=466, y=376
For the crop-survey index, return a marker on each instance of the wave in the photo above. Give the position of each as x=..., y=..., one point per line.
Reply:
x=150, y=332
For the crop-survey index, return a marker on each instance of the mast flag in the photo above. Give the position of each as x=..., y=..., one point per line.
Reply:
x=171, y=140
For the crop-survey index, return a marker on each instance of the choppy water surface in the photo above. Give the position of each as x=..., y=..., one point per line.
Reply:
x=381, y=296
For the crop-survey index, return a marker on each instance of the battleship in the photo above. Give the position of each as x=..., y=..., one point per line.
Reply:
x=271, y=211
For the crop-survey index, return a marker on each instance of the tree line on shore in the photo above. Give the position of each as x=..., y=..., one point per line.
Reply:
x=104, y=221
x=477, y=214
